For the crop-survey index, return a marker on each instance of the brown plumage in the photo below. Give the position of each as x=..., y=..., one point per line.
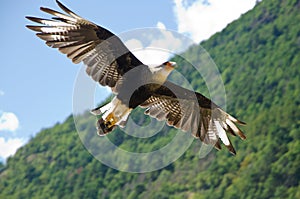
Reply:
x=193, y=112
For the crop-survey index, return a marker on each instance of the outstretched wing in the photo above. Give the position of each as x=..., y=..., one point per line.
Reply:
x=104, y=54
x=191, y=111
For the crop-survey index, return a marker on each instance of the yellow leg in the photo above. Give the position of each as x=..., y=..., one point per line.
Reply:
x=110, y=120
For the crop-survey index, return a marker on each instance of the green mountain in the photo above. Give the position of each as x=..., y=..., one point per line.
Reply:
x=259, y=58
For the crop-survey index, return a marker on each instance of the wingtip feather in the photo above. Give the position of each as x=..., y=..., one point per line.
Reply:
x=218, y=145
x=241, y=122
x=67, y=10
x=230, y=122
x=34, y=19
x=236, y=120
x=69, y=18
x=34, y=28
x=231, y=149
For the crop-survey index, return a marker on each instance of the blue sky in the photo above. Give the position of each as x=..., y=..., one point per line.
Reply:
x=36, y=82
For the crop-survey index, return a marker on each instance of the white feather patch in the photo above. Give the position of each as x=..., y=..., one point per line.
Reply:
x=52, y=30
x=222, y=133
x=232, y=118
x=119, y=110
x=105, y=108
x=232, y=125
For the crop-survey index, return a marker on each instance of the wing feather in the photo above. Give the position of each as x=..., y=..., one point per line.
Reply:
x=48, y=22
x=104, y=54
x=69, y=19
x=191, y=111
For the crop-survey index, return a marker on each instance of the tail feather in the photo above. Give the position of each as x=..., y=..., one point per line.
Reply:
x=112, y=114
x=101, y=109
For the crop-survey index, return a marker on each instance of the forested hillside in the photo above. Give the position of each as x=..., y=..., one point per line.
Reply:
x=259, y=59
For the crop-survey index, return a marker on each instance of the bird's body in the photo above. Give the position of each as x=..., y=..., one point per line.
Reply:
x=110, y=63
x=134, y=88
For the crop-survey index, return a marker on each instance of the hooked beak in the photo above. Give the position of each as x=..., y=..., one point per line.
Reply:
x=172, y=64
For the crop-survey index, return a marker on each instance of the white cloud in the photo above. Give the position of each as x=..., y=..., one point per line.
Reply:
x=160, y=25
x=8, y=122
x=1, y=93
x=146, y=55
x=134, y=44
x=167, y=41
x=160, y=45
x=202, y=18
x=10, y=146
x=154, y=54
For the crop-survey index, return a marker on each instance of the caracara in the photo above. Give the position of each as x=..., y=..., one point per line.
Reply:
x=109, y=62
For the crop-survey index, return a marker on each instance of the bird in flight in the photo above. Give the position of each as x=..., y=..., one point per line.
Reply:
x=110, y=63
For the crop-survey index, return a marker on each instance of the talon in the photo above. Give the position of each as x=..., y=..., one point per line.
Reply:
x=103, y=128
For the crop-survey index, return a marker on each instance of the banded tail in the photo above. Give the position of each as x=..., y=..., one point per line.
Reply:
x=113, y=114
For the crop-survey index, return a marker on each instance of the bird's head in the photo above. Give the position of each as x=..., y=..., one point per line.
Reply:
x=166, y=67
x=161, y=72
x=169, y=65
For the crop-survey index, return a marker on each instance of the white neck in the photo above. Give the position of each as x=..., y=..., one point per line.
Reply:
x=160, y=74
